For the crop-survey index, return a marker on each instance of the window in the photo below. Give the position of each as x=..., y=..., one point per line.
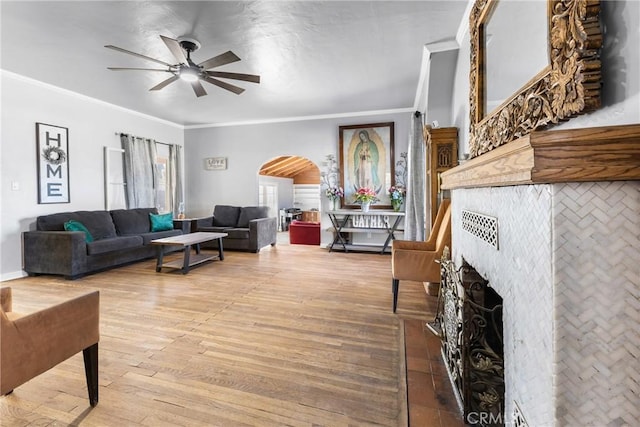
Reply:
x=268, y=196
x=153, y=174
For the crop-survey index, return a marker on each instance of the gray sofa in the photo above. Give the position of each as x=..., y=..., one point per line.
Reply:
x=248, y=228
x=119, y=237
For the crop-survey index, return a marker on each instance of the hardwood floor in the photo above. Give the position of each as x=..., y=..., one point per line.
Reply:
x=291, y=336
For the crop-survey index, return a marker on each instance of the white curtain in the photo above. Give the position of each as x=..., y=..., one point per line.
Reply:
x=139, y=171
x=174, y=183
x=415, y=204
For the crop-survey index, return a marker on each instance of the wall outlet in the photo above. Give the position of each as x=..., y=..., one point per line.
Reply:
x=15, y=186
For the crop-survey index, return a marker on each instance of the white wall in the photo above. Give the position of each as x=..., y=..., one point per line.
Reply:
x=620, y=21
x=248, y=147
x=441, y=83
x=92, y=125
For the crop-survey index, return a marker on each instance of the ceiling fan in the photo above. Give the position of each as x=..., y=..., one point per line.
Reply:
x=189, y=71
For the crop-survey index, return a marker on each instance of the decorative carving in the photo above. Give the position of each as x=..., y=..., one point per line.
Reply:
x=442, y=155
x=568, y=87
x=452, y=320
x=483, y=361
x=445, y=156
x=472, y=340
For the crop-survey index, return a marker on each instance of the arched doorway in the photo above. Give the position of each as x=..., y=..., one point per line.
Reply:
x=291, y=184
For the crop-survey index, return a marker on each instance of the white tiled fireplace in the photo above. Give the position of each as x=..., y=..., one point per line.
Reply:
x=567, y=266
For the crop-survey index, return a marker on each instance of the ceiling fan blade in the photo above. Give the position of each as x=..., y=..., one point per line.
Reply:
x=138, y=69
x=164, y=83
x=175, y=49
x=222, y=59
x=235, y=89
x=119, y=49
x=237, y=76
x=198, y=89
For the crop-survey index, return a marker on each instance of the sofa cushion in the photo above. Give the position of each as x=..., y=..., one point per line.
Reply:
x=161, y=222
x=132, y=221
x=225, y=216
x=98, y=223
x=248, y=213
x=73, y=225
x=54, y=222
x=237, y=233
x=148, y=237
x=214, y=229
x=113, y=244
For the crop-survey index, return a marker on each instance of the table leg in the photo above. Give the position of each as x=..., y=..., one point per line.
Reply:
x=391, y=236
x=159, y=257
x=220, y=249
x=338, y=227
x=187, y=256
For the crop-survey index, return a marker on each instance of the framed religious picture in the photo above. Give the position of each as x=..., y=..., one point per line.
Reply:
x=366, y=162
x=53, y=163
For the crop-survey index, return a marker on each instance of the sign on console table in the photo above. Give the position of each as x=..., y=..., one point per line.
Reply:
x=355, y=221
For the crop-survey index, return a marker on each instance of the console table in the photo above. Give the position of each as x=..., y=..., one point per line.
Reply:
x=356, y=221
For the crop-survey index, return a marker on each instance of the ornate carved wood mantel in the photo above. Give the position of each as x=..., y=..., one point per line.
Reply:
x=609, y=153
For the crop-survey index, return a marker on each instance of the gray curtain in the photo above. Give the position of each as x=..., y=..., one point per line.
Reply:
x=175, y=178
x=415, y=204
x=139, y=171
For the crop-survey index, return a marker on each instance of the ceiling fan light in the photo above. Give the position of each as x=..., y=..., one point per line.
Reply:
x=189, y=75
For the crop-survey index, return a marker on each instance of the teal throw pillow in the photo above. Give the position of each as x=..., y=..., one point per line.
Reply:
x=73, y=225
x=161, y=222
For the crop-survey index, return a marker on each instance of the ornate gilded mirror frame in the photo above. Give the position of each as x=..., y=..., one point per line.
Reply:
x=568, y=86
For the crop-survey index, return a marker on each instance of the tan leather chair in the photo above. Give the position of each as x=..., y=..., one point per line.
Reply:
x=416, y=261
x=36, y=342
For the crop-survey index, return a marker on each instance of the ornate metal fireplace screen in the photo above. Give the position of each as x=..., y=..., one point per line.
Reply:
x=471, y=324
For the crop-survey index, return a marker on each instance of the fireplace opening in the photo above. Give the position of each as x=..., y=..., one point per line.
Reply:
x=472, y=342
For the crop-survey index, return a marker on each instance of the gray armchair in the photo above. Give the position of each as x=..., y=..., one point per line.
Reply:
x=248, y=228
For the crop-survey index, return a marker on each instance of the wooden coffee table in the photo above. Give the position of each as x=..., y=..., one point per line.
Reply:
x=186, y=241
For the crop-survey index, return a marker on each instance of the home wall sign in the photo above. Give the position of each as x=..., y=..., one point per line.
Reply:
x=215, y=163
x=52, y=145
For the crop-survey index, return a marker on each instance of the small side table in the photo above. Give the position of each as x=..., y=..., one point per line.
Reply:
x=187, y=225
x=183, y=224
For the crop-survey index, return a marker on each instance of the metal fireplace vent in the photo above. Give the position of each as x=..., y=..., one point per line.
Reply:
x=481, y=226
x=518, y=418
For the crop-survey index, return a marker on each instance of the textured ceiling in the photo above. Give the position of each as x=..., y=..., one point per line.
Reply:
x=314, y=58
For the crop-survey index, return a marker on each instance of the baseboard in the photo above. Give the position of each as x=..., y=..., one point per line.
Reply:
x=12, y=276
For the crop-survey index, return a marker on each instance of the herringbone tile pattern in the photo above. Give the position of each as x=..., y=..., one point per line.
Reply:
x=597, y=303
x=568, y=269
x=520, y=271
